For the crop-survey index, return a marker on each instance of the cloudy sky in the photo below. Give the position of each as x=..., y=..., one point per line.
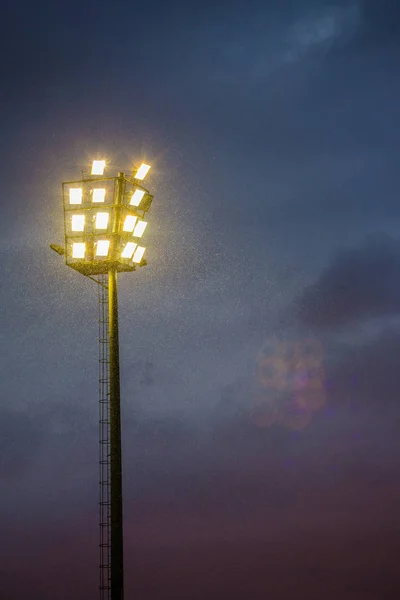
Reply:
x=259, y=347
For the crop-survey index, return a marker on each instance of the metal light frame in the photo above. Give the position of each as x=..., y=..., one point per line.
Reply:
x=118, y=192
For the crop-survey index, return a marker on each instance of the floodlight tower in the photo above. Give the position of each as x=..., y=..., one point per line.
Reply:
x=103, y=224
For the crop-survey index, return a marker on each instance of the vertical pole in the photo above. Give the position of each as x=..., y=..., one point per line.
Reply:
x=117, y=567
x=117, y=553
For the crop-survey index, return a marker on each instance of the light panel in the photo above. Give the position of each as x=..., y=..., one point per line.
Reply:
x=129, y=223
x=139, y=229
x=102, y=220
x=78, y=223
x=75, y=195
x=78, y=250
x=137, y=257
x=137, y=197
x=98, y=167
x=102, y=247
x=142, y=171
x=99, y=194
x=129, y=250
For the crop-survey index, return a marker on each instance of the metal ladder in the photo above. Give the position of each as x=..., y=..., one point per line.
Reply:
x=104, y=440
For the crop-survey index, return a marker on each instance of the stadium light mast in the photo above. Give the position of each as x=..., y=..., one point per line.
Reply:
x=103, y=224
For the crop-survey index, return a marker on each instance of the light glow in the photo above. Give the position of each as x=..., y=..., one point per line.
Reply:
x=139, y=229
x=75, y=195
x=137, y=257
x=129, y=223
x=137, y=197
x=101, y=220
x=78, y=223
x=129, y=250
x=98, y=167
x=78, y=250
x=99, y=194
x=142, y=171
x=102, y=247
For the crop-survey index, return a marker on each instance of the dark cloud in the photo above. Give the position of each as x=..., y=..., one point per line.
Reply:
x=367, y=377
x=381, y=22
x=360, y=283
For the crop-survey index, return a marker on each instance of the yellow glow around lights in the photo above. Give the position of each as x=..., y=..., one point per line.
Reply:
x=102, y=247
x=75, y=195
x=78, y=222
x=99, y=194
x=78, y=250
x=137, y=257
x=98, y=167
x=101, y=220
x=129, y=250
x=142, y=171
x=137, y=197
x=129, y=223
x=139, y=229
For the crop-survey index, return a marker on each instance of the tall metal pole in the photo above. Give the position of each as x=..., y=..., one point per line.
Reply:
x=117, y=554
x=83, y=257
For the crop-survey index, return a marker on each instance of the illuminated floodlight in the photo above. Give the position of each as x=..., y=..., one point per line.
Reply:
x=129, y=223
x=129, y=250
x=102, y=247
x=78, y=223
x=99, y=194
x=142, y=171
x=137, y=197
x=139, y=229
x=137, y=257
x=102, y=220
x=75, y=195
x=98, y=167
x=78, y=250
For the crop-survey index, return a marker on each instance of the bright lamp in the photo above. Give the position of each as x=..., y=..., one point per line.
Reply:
x=129, y=223
x=78, y=250
x=137, y=197
x=98, y=167
x=139, y=229
x=75, y=195
x=137, y=257
x=102, y=247
x=129, y=250
x=78, y=223
x=101, y=220
x=142, y=171
x=99, y=194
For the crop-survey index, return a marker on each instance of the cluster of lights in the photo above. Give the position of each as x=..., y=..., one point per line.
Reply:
x=131, y=251
x=98, y=167
x=131, y=224
x=99, y=195
x=76, y=195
